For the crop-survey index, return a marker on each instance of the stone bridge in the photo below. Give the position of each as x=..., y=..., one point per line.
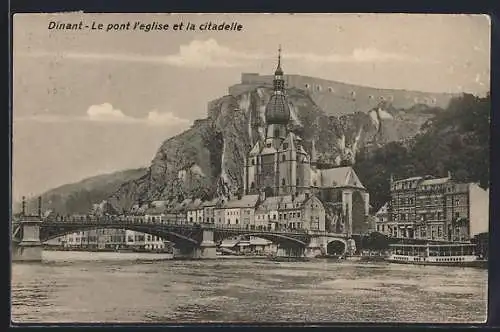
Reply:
x=196, y=241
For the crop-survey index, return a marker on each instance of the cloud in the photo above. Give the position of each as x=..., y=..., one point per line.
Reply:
x=209, y=53
x=107, y=113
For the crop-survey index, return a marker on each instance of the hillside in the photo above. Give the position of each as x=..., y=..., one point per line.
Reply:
x=457, y=140
x=78, y=197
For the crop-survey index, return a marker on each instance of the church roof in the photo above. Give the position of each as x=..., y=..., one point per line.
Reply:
x=340, y=177
x=256, y=149
x=268, y=150
x=277, y=109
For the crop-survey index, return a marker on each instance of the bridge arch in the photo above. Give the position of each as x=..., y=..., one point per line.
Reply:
x=51, y=232
x=336, y=246
x=275, y=238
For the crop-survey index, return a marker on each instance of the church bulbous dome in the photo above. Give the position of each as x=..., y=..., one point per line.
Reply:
x=277, y=109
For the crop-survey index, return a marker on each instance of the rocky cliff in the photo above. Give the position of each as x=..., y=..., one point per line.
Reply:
x=209, y=157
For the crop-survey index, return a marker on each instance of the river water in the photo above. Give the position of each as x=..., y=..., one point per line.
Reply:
x=126, y=287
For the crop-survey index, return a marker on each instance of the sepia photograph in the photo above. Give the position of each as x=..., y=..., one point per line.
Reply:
x=250, y=168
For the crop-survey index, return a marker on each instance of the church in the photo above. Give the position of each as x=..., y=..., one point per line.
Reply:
x=280, y=166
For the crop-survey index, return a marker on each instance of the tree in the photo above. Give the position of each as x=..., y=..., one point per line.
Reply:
x=376, y=241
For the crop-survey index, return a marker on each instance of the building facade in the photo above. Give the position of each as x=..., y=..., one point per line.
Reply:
x=434, y=209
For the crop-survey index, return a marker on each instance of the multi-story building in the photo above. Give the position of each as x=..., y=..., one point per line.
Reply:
x=208, y=210
x=194, y=212
x=142, y=241
x=435, y=209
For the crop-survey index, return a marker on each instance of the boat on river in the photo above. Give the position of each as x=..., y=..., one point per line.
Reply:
x=452, y=254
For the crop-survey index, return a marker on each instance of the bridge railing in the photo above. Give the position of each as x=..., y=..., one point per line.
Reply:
x=139, y=220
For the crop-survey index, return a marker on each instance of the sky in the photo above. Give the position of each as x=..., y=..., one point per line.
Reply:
x=89, y=102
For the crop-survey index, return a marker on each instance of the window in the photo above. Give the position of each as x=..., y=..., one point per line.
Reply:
x=283, y=157
x=252, y=185
x=253, y=162
x=318, y=87
x=285, y=146
x=306, y=85
x=268, y=145
x=330, y=89
x=283, y=182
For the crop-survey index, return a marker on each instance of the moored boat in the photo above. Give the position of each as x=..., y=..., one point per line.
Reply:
x=453, y=254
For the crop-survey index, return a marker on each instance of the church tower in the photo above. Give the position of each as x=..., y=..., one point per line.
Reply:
x=277, y=116
x=279, y=165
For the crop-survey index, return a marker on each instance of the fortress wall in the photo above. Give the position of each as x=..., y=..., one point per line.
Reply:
x=340, y=98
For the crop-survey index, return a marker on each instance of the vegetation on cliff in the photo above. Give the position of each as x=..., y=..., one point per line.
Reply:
x=457, y=140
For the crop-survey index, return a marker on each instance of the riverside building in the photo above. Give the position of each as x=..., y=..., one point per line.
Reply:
x=434, y=209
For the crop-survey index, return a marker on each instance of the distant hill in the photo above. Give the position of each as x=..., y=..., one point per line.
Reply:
x=80, y=196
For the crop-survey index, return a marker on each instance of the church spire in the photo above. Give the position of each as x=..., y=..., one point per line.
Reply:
x=279, y=71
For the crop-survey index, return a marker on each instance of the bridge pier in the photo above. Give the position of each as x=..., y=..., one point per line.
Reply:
x=316, y=247
x=205, y=250
x=30, y=248
x=290, y=251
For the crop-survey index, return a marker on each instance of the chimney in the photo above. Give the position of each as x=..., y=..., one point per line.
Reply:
x=23, y=206
x=449, y=175
x=39, y=206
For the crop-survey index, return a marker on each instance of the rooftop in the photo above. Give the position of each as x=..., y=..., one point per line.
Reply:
x=245, y=202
